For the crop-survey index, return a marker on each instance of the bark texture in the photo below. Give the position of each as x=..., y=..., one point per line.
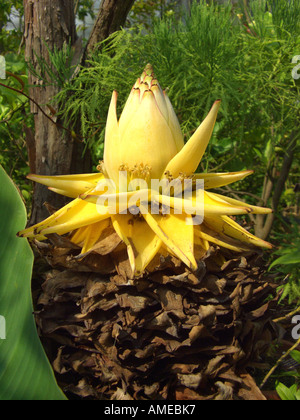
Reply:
x=49, y=24
x=171, y=334
x=111, y=17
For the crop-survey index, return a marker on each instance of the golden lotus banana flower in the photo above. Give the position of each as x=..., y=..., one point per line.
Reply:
x=147, y=188
x=148, y=128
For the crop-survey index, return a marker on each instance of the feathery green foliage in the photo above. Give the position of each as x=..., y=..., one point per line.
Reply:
x=286, y=264
x=206, y=56
x=59, y=72
x=14, y=115
x=243, y=57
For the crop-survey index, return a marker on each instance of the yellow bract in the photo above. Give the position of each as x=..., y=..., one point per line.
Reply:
x=148, y=133
x=144, y=145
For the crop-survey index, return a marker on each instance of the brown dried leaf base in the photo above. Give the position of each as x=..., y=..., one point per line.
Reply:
x=171, y=335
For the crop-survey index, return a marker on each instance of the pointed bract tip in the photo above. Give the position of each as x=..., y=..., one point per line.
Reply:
x=247, y=172
x=217, y=104
x=149, y=68
x=148, y=72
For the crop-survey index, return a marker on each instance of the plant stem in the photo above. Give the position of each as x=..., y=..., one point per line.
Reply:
x=264, y=225
x=288, y=316
x=283, y=357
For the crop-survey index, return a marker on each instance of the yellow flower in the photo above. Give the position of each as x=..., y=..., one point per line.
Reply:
x=147, y=134
x=147, y=188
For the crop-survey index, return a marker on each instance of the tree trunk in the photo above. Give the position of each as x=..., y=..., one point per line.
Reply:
x=50, y=24
x=111, y=17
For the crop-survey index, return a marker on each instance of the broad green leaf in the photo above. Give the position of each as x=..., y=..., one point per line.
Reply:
x=285, y=393
x=295, y=391
x=25, y=373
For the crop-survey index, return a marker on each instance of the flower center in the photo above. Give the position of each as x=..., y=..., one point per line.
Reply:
x=136, y=178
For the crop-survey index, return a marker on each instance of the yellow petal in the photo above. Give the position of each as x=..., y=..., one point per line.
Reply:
x=33, y=231
x=188, y=159
x=160, y=100
x=214, y=238
x=177, y=233
x=79, y=235
x=69, y=185
x=204, y=244
x=74, y=215
x=118, y=202
x=112, y=141
x=228, y=226
x=210, y=206
x=216, y=180
x=166, y=108
x=142, y=243
x=130, y=108
x=67, y=193
x=233, y=202
x=148, y=139
x=174, y=125
x=92, y=235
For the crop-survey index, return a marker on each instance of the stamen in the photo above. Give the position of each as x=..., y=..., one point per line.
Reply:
x=100, y=167
x=139, y=172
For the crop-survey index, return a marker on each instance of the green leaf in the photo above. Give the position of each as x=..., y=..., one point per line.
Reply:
x=295, y=354
x=290, y=258
x=25, y=372
x=268, y=153
x=285, y=393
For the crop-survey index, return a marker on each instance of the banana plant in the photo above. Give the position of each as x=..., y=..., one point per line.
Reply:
x=25, y=373
x=140, y=185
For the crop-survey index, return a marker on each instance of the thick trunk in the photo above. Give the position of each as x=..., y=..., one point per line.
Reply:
x=264, y=224
x=111, y=17
x=48, y=24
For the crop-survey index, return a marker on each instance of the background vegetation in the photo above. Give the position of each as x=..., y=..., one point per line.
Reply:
x=241, y=55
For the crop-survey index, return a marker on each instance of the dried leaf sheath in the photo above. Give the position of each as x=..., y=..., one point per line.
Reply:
x=170, y=335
